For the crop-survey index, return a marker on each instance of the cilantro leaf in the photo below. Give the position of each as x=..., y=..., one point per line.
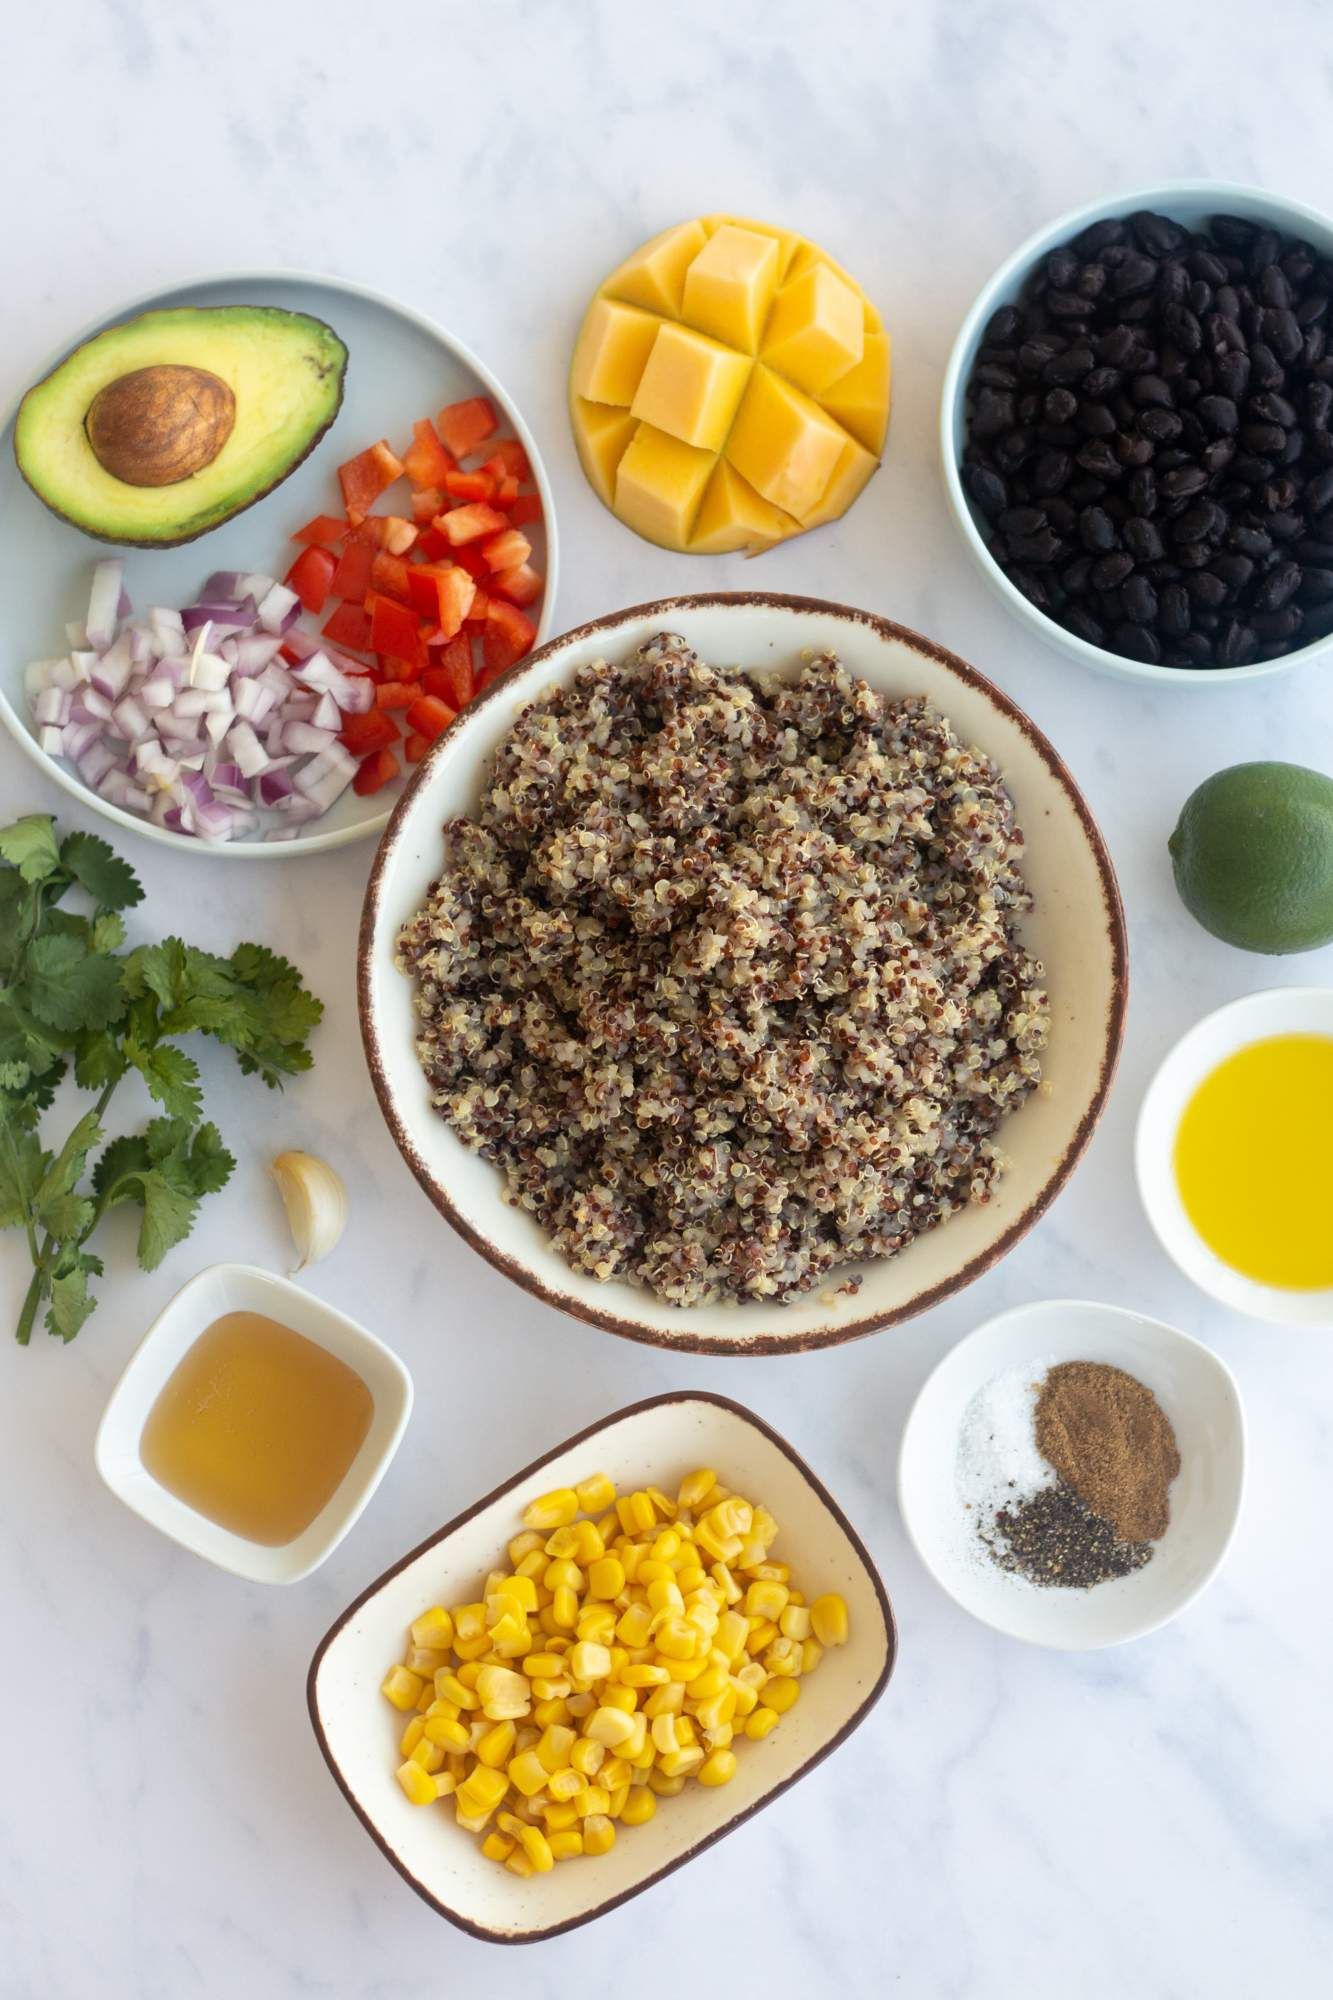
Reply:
x=96, y=867
x=108, y=931
x=169, y=1209
x=67, y=1167
x=172, y=1078
x=67, y=1217
x=23, y=1163
x=69, y=987
x=98, y=1059
x=122, y=1160
x=30, y=846
x=70, y=1304
x=210, y=1165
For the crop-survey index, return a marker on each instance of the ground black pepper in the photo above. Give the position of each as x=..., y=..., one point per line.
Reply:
x=1052, y=1538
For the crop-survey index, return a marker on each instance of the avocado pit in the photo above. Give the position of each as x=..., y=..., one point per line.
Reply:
x=157, y=426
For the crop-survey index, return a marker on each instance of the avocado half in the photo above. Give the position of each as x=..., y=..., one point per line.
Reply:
x=153, y=432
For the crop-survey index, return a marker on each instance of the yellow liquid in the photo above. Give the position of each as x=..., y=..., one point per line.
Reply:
x=256, y=1427
x=1254, y=1161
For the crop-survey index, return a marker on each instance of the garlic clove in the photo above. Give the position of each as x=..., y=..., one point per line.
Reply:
x=316, y=1204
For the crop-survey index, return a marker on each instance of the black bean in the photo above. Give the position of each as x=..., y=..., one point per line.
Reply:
x=1060, y=405
x=1266, y=371
x=1231, y=375
x=1138, y=600
x=1138, y=642
x=1151, y=390
x=1270, y=408
x=1014, y=449
x=1234, y=570
x=1274, y=288
x=1033, y=587
x=1264, y=440
x=1235, y=643
x=1319, y=405
x=1156, y=234
x=1023, y=520
x=1135, y=275
x=1200, y=298
x=1099, y=236
x=1098, y=458
x=1116, y=346
x=1141, y=492
x=1042, y=547
x=1219, y=414
x=1142, y=539
x=1184, y=329
x=986, y=488
x=1278, y=328
x=1034, y=354
x=1111, y=570
x=1215, y=457
x=1091, y=281
x=1316, y=585
x=1101, y=382
x=1134, y=451
x=1051, y=472
x=991, y=375
x=1312, y=549
x=992, y=413
x=1067, y=305
x=1172, y=284
x=1095, y=420
x=1196, y=524
x=1283, y=525
x=1205, y=265
x=1248, y=540
x=1062, y=268
x=1075, y=575
x=1080, y=621
x=1159, y=425
x=1278, y=586
x=1071, y=365
x=1096, y=530
x=1321, y=444
x=1311, y=309
x=1206, y=590
x=1284, y=624
x=1173, y=610
x=1003, y=326
x=1061, y=515
x=1183, y=482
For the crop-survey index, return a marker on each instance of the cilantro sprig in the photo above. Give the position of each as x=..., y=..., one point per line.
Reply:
x=73, y=1000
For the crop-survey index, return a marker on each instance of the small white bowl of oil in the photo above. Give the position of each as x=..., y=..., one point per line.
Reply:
x=1234, y=1160
x=253, y=1423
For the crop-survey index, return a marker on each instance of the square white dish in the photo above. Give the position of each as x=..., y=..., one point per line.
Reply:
x=656, y=1442
x=225, y=1288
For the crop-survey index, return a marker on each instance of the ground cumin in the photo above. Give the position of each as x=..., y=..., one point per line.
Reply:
x=1108, y=1437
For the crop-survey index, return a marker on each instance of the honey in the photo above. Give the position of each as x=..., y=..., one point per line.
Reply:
x=256, y=1427
x=1254, y=1163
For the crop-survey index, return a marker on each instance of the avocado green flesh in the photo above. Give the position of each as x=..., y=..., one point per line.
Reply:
x=284, y=369
x=1253, y=857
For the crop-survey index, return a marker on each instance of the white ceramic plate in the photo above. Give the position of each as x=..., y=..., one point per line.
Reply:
x=400, y=367
x=1290, y=1010
x=1184, y=201
x=1077, y=930
x=1199, y=1396
x=656, y=1442
x=225, y=1288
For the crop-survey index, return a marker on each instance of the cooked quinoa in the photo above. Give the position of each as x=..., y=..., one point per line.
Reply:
x=724, y=976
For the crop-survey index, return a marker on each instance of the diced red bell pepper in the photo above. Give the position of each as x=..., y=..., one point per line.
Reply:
x=469, y=486
x=395, y=694
x=470, y=558
x=432, y=547
x=351, y=579
x=521, y=585
x=527, y=507
x=506, y=551
x=426, y=461
x=377, y=771
x=395, y=630
x=450, y=675
x=388, y=574
x=326, y=531
x=506, y=491
x=480, y=605
x=415, y=748
x=465, y=425
x=365, y=477
x=349, y=626
x=470, y=524
x=508, y=635
x=392, y=532
x=310, y=577
x=430, y=716
x=511, y=457
x=372, y=731
x=426, y=505
x=458, y=594
x=423, y=592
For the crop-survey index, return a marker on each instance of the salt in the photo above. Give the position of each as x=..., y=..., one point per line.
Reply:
x=998, y=1463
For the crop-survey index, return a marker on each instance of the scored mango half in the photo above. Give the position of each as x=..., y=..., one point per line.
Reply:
x=729, y=388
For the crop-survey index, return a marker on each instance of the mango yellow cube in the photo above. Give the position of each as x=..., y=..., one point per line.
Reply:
x=787, y=448
x=654, y=277
x=730, y=285
x=612, y=352
x=860, y=398
x=816, y=330
x=734, y=516
x=659, y=484
x=602, y=434
x=849, y=475
x=691, y=386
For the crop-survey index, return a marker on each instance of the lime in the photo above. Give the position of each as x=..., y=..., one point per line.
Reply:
x=1253, y=857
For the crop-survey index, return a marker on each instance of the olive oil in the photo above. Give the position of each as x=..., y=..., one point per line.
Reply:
x=256, y=1427
x=1254, y=1161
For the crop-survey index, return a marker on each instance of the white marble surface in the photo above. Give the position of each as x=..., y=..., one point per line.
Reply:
x=1009, y=1823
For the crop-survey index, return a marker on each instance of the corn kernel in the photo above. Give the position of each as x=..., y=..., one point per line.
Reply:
x=667, y=1700
x=695, y=1485
x=482, y=1790
x=828, y=1615
x=811, y=1654
x=784, y=1656
x=639, y=1807
x=606, y=1577
x=497, y=1745
x=592, y=1799
x=664, y=1733
x=596, y=1494
x=614, y=1696
x=644, y=1674
x=794, y=1622
x=518, y=1863
x=664, y=1787
x=537, y=1848
x=448, y=1687
x=766, y=1600
x=599, y=1836
x=553, y=1747
x=448, y=1735
x=719, y=1769
x=691, y=1574
x=532, y=1565
x=416, y=1783
x=402, y=1688
x=469, y=1623
x=504, y=1693
x=758, y=1725
x=551, y=1510
x=665, y=1505
x=564, y=1609
x=587, y=1757
x=445, y=1784
x=411, y=1735
x=566, y=1784
x=589, y=1662
x=727, y=1583
x=523, y=1545
x=564, y=1846
x=610, y=1726
x=527, y=1772
x=633, y=1628
x=559, y=1818
x=782, y=1694
x=429, y=1755
x=497, y=1847
x=680, y=1763
x=636, y=1513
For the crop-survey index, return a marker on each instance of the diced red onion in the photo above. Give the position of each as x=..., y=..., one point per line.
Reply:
x=278, y=608
x=52, y=738
x=130, y=718
x=304, y=736
x=51, y=706
x=210, y=670
x=104, y=603
x=247, y=750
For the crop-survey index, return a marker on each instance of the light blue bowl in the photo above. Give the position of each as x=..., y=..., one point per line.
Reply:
x=1184, y=201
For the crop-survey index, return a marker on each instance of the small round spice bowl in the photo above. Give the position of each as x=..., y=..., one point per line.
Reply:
x=1103, y=470
x=970, y=1454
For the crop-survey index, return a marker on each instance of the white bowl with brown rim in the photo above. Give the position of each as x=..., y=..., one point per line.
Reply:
x=1077, y=930
x=655, y=1442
